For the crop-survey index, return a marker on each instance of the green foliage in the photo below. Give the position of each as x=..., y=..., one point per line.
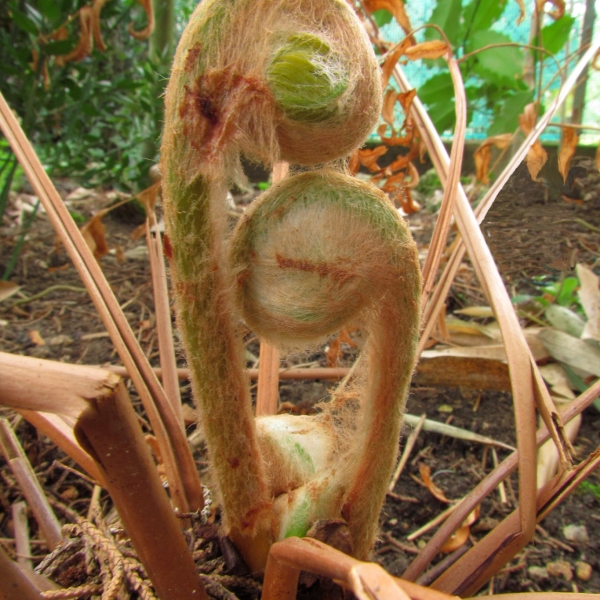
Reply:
x=589, y=487
x=562, y=293
x=493, y=77
x=382, y=17
x=89, y=119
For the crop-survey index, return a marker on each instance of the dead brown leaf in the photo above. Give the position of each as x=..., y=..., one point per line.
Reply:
x=598, y=158
x=392, y=59
x=387, y=110
x=426, y=481
x=36, y=338
x=96, y=33
x=86, y=40
x=522, y=12
x=558, y=12
x=434, y=49
x=94, y=232
x=483, y=155
x=536, y=159
x=7, y=289
x=568, y=146
x=368, y=158
x=456, y=540
x=144, y=34
x=396, y=7
x=528, y=118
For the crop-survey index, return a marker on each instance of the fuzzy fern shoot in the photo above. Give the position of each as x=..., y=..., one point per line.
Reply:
x=298, y=81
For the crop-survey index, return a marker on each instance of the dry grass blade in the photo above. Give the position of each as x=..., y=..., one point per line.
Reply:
x=181, y=472
x=410, y=442
x=367, y=581
x=21, y=527
x=162, y=308
x=29, y=484
x=442, y=226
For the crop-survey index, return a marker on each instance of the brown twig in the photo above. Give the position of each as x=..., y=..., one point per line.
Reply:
x=29, y=484
x=410, y=442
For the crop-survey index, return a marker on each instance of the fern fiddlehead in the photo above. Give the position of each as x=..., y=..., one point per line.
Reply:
x=298, y=81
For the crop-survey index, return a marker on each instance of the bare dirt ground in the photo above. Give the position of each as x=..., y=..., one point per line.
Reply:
x=531, y=233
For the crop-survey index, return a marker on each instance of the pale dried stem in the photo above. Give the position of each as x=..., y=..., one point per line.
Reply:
x=501, y=489
x=21, y=529
x=410, y=442
x=267, y=392
x=442, y=225
x=162, y=310
x=14, y=585
x=29, y=484
x=179, y=464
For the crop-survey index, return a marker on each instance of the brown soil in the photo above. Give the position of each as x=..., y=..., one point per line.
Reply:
x=525, y=239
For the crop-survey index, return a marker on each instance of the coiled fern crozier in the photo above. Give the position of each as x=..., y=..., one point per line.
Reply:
x=292, y=80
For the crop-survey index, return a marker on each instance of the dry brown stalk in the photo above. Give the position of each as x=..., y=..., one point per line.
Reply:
x=106, y=427
x=13, y=584
x=443, y=371
x=162, y=307
x=267, y=392
x=29, y=484
x=408, y=446
x=21, y=528
x=179, y=464
x=364, y=580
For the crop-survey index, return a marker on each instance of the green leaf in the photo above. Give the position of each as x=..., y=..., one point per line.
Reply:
x=50, y=9
x=555, y=35
x=446, y=15
x=438, y=94
x=23, y=22
x=382, y=17
x=566, y=295
x=500, y=66
x=506, y=118
x=481, y=14
x=59, y=47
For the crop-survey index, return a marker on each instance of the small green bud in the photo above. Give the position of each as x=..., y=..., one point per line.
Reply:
x=306, y=78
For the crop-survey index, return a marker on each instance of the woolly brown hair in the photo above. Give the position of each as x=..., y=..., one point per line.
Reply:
x=294, y=80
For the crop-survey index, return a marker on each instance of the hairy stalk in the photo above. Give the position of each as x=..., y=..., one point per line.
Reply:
x=292, y=80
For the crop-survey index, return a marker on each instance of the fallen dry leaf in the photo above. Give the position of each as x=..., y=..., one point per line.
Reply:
x=597, y=161
x=426, y=481
x=589, y=296
x=567, y=149
x=7, y=289
x=434, y=49
x=456, y=540
x=93, y=233
x=36, y=338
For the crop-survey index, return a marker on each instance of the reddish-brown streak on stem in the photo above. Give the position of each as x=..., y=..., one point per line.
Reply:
x=167, y=248
x=322, y=269
x=191, y=57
